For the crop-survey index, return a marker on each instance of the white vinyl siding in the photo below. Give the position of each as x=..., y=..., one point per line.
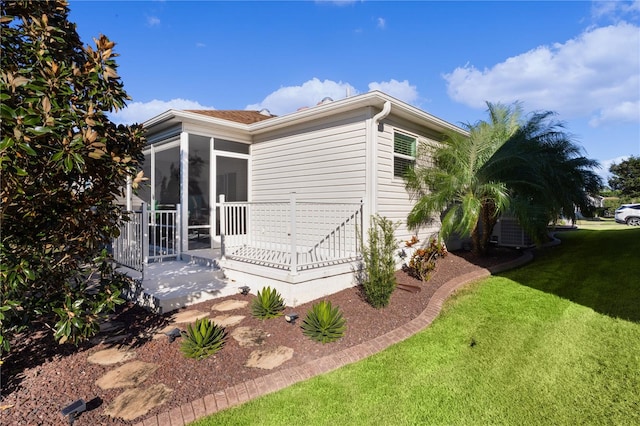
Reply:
x=404, y=153
x=324, y=163
x=394, y=201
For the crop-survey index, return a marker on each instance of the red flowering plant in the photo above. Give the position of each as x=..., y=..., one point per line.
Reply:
x=423, y=260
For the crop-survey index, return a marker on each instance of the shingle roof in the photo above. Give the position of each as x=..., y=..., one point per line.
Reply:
x=239, y=116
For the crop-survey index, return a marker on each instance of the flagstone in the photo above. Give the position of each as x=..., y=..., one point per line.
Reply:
x=190, y=315
x=230, y=305
x=137, y=402
x=228, y=320
x=111, y=356
x=270, y=358
x=127, y=375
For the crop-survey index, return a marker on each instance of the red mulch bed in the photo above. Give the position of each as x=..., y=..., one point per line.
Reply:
x=40, y=377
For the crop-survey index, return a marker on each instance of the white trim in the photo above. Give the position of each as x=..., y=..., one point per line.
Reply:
x=394, y=154
x=184, y=190
x=371, y=99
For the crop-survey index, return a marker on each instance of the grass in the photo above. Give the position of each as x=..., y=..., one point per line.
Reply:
x=555, y=342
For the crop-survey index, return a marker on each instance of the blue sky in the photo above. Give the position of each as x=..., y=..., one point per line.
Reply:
x=580, y=59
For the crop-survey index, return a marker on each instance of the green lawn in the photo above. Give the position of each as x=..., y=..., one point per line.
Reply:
x=555, y=342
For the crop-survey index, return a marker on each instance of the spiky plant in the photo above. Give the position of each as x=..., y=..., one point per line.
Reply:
x=267, y=304
x=202, y=339
x=324, y=323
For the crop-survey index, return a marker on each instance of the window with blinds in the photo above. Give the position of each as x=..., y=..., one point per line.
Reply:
x=404, y=153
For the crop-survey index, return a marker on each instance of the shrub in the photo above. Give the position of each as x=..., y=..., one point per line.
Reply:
x=378, y=278
x=202, y=339
x=267, y=304
x=324, y=323
x=423, y=260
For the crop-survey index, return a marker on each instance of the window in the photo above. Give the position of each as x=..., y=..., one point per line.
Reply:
x=404, y=153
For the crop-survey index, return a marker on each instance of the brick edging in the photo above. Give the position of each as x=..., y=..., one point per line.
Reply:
x=273, y=382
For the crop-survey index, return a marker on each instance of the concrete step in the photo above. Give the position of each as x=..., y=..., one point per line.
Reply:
x=172, y=285
x=193, y=259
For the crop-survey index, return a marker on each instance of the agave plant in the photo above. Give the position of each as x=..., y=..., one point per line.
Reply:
x=202, y=339
x=324, y=323
x=267, y=304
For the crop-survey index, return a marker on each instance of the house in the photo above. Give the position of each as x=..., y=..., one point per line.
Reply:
x=280, y=200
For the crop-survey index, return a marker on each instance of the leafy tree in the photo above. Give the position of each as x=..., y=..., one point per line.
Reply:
x=63, y=163
x=529, y=168
x=626, y=177
x=458, y=184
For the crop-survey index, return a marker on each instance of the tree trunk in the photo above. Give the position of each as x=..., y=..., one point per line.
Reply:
x=489, y=220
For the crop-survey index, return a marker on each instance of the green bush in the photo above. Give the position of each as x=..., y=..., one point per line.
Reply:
x=324, y=323
x=202, y=339
x=378, y=278
x=267, y=304
x=423, y=261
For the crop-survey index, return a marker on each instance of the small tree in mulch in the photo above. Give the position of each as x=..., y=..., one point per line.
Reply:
x=378, y=278
x=63, y=164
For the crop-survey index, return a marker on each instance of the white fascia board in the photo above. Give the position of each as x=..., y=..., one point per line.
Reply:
x=193, y=117
x=374, y=98
x=370, y=99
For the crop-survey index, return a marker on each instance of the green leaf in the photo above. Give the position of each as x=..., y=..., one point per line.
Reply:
x=20, y=171
x=27, y=148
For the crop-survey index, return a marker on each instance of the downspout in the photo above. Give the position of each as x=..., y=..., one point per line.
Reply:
x=372, y=166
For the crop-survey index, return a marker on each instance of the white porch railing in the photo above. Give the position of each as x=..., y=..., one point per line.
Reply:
x=148, y=236
x=294, y=235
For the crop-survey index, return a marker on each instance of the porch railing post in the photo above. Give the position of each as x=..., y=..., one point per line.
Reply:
x=145, y=237
x=177, y=234
x=223, y=227
x=294, y=249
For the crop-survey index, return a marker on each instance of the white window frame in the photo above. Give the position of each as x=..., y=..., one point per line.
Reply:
x=403, y=156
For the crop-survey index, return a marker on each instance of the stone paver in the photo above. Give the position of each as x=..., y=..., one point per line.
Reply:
x=190, y=315
x=230, y=305
x=128, y=375
x=228, y=320
x=270, y=358
x=247, y=336
x=111, y=356
x=137, y=402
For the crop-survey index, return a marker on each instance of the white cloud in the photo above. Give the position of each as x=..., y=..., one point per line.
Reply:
x=595, y=75
x=138, y=112
x=398, y=89
x=615, y=9
x=289, y=99
x=624, y=112
x=381, y=23
x=200, y=44
x=153, y=21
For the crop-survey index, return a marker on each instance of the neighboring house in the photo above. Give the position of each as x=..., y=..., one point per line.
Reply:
x=253, y=188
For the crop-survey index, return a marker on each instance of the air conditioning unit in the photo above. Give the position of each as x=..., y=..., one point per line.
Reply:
x=509, y=233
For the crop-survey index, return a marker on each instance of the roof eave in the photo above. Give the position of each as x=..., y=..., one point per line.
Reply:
x=192, y=117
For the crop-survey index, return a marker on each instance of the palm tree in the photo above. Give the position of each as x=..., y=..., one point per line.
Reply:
x=546, y=173
x=529, y=168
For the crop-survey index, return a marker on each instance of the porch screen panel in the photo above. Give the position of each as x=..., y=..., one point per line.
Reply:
x=199, y=200
x=167, y=178
x=232, y=180
x=144, y=189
